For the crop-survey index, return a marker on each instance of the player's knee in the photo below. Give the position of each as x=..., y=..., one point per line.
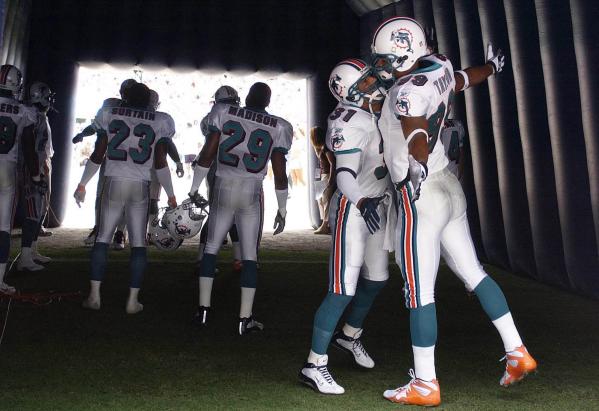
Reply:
x=249, y=274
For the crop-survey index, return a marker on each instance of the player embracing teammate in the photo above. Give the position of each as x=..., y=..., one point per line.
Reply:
x=431, y=215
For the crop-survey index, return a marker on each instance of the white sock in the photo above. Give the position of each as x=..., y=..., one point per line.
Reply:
x=350, y=331
x=133, y=304
x=201, y=248
x=133, y=293
x=424, y=362
x=2, y=272
x=26, y=254
x=236, y=251
x=34, y=246
x=205, y=286
x=247, y=301
x=313, y=357
x=94, y=290
x=508, y=332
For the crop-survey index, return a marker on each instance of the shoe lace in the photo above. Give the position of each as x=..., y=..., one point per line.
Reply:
x=324, y=371
x=357, y=346
x=408, y=386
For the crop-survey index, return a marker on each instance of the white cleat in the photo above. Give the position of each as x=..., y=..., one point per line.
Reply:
x=318, y=377
x=7, y=289
x=91, y=304
x=353, y=346
x=28, y=265
x=40, y=258
x=91, y=238
x=134, y=307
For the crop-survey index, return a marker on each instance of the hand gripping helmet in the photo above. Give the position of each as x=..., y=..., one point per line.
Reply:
x=185, y=220
x=11, y=79
x=40, y=93
x=160, y=236
x=345, y=79
x=154, y=100
x=226, y=94
x=397, y=44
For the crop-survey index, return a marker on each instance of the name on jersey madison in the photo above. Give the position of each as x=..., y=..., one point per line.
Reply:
x=253, y=116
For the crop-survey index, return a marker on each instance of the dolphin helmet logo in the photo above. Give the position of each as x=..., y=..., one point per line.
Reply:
x=336, y=85
x=402, y=38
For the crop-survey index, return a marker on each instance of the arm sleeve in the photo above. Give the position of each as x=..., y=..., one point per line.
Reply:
x=412, y=101
x=284, y=138
x=348, y=165
x=215, y=117
x=164, y=178
x=204, y=126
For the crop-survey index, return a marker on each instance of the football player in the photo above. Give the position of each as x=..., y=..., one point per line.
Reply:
x=452, y=137
x=432, y=214
x=131, y=140
x=223, y=95
x=242, y=140
x=16, y=136
x=358, y=267
x=36, y=202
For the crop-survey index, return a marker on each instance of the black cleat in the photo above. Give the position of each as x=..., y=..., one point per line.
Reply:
x=201, y=317
x=248, y=325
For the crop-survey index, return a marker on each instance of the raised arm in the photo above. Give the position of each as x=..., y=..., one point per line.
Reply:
x=473, y=76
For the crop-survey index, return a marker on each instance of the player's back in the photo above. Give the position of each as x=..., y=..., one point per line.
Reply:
x=132, y=137
x=350, y=130
x=248, y=139
x=14, y=117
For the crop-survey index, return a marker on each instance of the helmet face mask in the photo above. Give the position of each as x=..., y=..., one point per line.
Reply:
x=346, y=80
x=185, y=220
x=161, y=237
x=40, y=93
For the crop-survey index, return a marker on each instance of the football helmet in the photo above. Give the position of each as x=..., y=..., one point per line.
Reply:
x=161, y=237
x=40, y=93
x=185, y=220
x=397, y=44
x=154, y=100
x=226, y=94
x=345, y=79
x=11, y=79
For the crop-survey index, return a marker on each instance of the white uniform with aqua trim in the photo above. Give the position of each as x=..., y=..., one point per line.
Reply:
x=452, y=137
x=14, y=117
x=132, y=137
x=354, y=138
x=247, y=140
x=436, y=222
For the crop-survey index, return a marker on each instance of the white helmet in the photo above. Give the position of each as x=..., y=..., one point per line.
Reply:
x=397, y=44
x=41, y=94
x=344, y=81
x=185, y=220
x=154, y=101
x=160, y=236
x=226, y=94
x=11, y=79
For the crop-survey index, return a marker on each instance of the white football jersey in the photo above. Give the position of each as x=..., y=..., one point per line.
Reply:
x=14, y=117
x=132, y=137
x=452, y=137
x=352, y=130
x=247, y=140
x=110, y=102
x=425, y=92
x=43, y=137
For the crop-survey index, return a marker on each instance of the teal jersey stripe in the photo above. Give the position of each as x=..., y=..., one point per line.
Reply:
x=349, y=151
x=280, y=150
x=427, y=69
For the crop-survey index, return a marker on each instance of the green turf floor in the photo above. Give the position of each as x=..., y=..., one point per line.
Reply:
x=60, y=356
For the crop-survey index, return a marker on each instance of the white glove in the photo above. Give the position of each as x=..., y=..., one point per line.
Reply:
x=180, y=172
x=417, y=174
x=495, y=58
x=279, y=224
x=79, y=195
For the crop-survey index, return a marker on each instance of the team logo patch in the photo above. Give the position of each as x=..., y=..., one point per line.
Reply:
x=402, y=38
x=403, y=105
x=336, y=85
x=337, y=139
x=182, y=229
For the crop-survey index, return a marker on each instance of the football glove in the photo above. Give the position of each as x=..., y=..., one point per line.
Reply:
x=368, y=210
x=79, y=195
x=417, y=174
x=279, y=224
x=180, y=172
x=78, y=138
x=495, y=58
x=40, y=185
x=197, y=199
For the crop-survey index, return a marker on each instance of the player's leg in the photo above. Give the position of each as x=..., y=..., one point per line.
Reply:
x=210, y=178
x=417, y=252
x=8, y=195
x=461, y=256
x=236, y=247
x=249, y=219
x=136, y=212
x=112, y=205
x=91, y=238
x=33, y=210
x=221, y=218
x=44, y=212
x=373, y=277
x=120, y=235
x=346, y=257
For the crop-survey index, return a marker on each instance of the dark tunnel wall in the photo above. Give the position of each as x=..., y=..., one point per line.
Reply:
x=533, y=194
x=306, y=37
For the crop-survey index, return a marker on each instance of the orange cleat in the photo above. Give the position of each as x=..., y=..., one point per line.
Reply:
x=519, y=364
x=416, y=392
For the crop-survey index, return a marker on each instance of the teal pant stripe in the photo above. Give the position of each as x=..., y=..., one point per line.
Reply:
x=491, y=298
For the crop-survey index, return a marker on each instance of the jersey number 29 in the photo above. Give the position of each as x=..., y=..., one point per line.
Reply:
x=258, y=145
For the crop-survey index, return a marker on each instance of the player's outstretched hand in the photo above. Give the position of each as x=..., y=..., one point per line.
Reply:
x=78, y=138
x=197, y=199
x=368, y=209
x=279, y=224
x=172, y=202
x=496, y=58
x=180, y=172
x=79, y=195
x=418, y=173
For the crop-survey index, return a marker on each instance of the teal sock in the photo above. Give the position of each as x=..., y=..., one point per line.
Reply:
x=491, y=298
x=249, y=274
x=99, y=258
x=208, y=266
x=423, y=325
x=365, y=294
x=137, y=263
x=326, y=319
